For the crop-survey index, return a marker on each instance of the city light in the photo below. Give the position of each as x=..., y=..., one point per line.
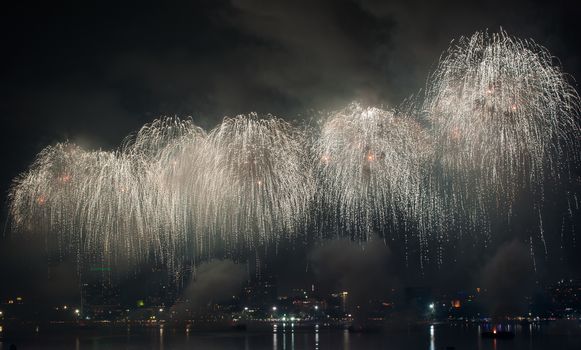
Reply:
x=274, y=308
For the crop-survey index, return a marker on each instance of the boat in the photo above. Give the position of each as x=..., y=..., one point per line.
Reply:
x=497, y=334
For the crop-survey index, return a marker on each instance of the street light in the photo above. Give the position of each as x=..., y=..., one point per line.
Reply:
x=274, y=308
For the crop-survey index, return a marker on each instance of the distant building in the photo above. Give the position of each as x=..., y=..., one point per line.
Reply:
x=260, y=292
x=566, y=297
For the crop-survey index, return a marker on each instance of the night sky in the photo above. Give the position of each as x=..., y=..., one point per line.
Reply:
x=92, y=73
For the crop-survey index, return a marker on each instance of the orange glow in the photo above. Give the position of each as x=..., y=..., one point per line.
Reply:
x=455, y=134
x=41, y=200
x=370, y=157
x=456, y=304
x=65, y=178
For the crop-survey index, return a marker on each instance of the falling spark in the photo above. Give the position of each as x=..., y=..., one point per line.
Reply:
x=498, y=119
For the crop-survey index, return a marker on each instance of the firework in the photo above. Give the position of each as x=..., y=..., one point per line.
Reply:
x=498, y=119
x=260, y=184
x=502, y=115
x=369, y=165
x=171, y=190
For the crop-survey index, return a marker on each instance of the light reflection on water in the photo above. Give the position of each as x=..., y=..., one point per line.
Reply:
x=290, y=337
x=345, y=340
x=316, y=339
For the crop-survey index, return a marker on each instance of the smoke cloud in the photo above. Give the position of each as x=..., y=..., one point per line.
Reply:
x=214, y=282
x=508, y=278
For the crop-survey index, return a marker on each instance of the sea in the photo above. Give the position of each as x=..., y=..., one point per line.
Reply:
x=446, y=336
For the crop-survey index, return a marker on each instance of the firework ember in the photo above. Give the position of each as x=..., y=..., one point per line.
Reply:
x=498, y=118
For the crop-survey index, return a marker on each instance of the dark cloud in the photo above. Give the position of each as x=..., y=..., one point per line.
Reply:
x=71, y=70
x=422, y=30
x=319, y=54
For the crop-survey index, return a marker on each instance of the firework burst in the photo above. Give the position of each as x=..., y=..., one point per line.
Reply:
x=498, y=119
x=502, y=114
x=369, y=167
